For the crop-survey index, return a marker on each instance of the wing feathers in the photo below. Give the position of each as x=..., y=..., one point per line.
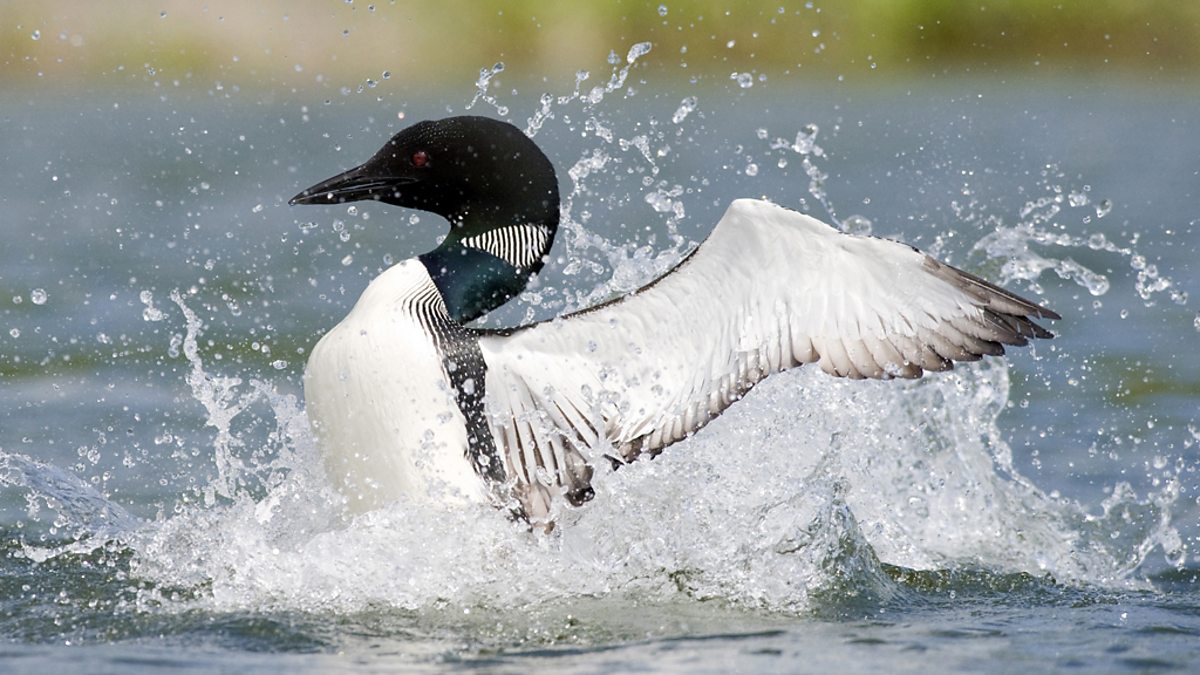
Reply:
x=770, y=289
x=987, y=295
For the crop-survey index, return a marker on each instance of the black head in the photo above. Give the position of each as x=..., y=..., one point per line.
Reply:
x=462, y=168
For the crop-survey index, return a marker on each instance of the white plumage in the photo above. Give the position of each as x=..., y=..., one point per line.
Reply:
x=377, y=394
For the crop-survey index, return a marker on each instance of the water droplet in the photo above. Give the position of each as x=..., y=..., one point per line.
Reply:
x=806, y=141
x=744, y=80
x=751, y=169
x=257, y=208
x=1195, y=322
x=37, y=35
x=279, y=364
x=150, y=313
x=38, y=296
x=637, y=51
x=662, y=10
x=730, y=44
x=16, y=332
x=1103, y=208
x=387, y=74
x=856, y=224
x=686, y=106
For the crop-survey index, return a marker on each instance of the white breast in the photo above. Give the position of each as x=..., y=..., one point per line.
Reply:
x=380, y=403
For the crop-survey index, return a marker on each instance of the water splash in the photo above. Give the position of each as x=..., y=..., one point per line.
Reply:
x=1012, y=245
x=617, y=81
x=586, y=253
x=1038, y=228
x=481, y=89
x=541, y=116
x=802, y=509
x=630, y=267
x=805, y=145
x=590, y=99
x=686, y=106
x=82, y=516
x=801, y=514
x=222, y=401
x=150, y=313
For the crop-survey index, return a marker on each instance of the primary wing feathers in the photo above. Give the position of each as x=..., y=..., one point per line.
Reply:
x=770, y=289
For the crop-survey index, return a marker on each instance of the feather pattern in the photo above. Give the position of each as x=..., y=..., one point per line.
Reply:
x=521, y=246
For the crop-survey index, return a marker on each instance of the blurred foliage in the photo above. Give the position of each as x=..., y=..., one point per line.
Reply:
x=339, y=43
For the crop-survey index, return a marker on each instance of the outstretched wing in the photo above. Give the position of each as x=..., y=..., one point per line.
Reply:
x=769, y=289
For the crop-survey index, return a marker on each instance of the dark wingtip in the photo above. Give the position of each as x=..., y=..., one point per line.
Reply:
x=1047, y=313
x=1041, y=333
x=304, y=197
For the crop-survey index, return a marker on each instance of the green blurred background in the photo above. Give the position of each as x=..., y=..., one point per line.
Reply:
x=335, y=44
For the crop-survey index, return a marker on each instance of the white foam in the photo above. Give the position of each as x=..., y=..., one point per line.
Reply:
x=803, y=486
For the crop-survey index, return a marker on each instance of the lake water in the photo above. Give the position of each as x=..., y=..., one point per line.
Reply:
x=162, y=505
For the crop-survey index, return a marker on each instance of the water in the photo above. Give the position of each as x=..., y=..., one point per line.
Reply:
x=163, y=505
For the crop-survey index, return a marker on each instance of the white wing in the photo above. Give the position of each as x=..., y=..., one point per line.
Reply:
x=769, y=289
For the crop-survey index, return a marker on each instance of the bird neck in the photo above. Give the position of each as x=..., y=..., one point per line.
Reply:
x=482, y=265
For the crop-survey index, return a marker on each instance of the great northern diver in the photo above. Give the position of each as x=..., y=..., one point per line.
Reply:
x=407, y=400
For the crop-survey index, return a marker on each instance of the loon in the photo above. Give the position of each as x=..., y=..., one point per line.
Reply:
x=408, y=400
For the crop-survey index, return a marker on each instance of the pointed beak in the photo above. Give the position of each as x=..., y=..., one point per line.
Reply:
x=354, y=185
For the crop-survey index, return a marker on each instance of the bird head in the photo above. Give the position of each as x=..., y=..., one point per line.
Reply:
x=462, y=168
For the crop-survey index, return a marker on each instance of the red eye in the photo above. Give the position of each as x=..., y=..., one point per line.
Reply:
x=420, y=159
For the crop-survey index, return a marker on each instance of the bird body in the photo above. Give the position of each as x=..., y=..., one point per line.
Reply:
x=380, y=401
x=406, y=399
